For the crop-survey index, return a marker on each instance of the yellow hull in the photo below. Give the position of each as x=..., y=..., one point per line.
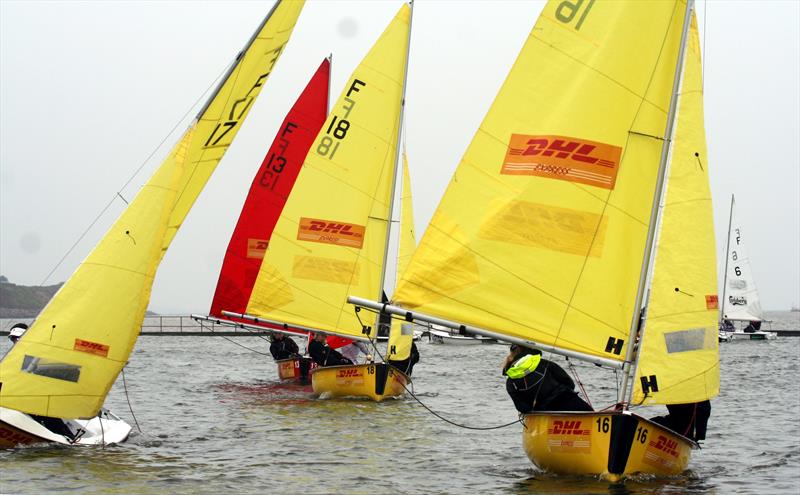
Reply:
x=375, y=381
x=609, y=444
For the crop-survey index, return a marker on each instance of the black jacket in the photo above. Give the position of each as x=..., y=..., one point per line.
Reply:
x=283, y=348
x=323, y=355
x=547, y=388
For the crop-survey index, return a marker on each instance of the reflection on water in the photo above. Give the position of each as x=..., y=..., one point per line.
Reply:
x=215, y=419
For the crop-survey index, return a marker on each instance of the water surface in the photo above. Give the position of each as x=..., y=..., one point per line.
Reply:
x=215, y=419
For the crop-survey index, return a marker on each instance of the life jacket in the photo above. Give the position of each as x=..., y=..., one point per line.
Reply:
x=524, y=366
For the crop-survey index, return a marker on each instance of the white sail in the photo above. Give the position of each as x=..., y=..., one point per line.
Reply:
x=741, y=301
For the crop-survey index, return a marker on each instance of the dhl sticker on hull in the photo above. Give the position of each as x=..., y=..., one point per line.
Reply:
x=329, y=232
x=567, y=436
x=563, y=158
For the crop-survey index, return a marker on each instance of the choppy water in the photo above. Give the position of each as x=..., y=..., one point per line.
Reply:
x=214, y=419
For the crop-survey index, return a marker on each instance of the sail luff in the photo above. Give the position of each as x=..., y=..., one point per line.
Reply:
x=629, y=369
x=384, y=265
x=727, y=256
x=235, y=61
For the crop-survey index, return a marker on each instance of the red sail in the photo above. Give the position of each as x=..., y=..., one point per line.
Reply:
x=268, y=193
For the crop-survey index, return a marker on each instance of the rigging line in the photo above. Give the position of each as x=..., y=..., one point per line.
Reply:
x=130, y=179
x=484, y=428
x=412, y=394
x=580, y=383
x=219, y=334
x=128, y=399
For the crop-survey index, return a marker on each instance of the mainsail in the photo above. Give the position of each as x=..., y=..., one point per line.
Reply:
x=330, y=239
x=679, y=359
x=740, y=297
x=71, y=356
x=268, y=193
x=541, y=233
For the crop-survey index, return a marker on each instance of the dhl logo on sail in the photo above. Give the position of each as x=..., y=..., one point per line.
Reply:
x=256, y=248
x=564, y=427
x=712, y=301
x=325, y=231
x=91, y=347
x=563, y=158
x=665, y=445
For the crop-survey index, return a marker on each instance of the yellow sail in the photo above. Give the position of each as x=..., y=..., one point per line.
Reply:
x=401, y=335
x=70, y=357
x=679, y=359
x=330, y=239
x=541, y=232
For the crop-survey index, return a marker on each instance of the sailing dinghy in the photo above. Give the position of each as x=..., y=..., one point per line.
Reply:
x=269, y=190
x=545, y=236
x=740, y=301
x=332, y=237
x=65, y=364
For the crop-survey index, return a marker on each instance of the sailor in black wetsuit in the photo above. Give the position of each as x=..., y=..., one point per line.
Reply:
x=536, y=384
x=283, y=347
x=322, y=354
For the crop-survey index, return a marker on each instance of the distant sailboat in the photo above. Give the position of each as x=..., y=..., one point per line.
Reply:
x=551, y=234
x=740, y=301
x=65, y=364
x=332, y=237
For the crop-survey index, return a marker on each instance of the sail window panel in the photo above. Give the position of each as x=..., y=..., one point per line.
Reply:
x=326, y=270
x=51, y=368
x=689, y=340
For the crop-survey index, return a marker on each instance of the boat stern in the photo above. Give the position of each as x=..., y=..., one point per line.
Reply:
x=376, y=381
x=608, y=444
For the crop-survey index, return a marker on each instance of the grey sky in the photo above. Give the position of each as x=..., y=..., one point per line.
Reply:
x=89, y=89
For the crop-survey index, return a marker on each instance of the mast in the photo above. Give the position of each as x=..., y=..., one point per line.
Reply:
x=396, y=161
x=630, y=359
x=727, y=257
x=236, y=60
x=330, y=73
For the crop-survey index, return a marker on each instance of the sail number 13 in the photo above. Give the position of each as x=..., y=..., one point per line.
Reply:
x=566, y=12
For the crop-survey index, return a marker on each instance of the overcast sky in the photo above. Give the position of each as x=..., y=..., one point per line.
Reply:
x=88, y=90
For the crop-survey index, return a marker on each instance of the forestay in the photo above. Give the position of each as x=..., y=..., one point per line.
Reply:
x=331, y=237
x=69, y=359
x=679, y=358
x=541, y=233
